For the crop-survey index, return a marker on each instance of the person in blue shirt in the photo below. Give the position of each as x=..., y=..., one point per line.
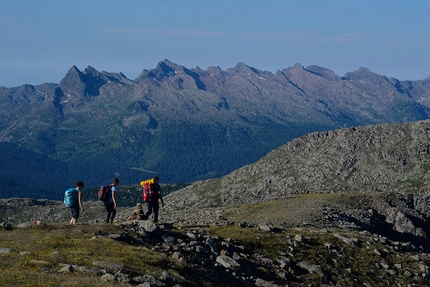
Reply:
x=77, y=202
x=111, y=203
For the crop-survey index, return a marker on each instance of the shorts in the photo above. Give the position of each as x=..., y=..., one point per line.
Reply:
x=75, y=212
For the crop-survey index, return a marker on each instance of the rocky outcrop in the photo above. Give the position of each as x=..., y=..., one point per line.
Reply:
x=382, y=158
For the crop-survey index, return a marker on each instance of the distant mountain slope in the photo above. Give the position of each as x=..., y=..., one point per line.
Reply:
x=189, y=124
x=386, y=157
x=25, y=173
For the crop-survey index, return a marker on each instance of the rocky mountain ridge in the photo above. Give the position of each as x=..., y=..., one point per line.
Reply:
x=184, y=124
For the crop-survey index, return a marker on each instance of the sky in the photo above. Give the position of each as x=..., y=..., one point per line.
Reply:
x=41, y=40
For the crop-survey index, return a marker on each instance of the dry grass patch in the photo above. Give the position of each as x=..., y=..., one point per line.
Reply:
x=288, y=212
x=36, y=255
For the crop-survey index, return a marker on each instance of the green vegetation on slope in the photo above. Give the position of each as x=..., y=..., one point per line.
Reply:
x=63, y=244
x=38, y=254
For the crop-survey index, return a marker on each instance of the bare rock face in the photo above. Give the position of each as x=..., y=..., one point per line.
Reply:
x=389, y=157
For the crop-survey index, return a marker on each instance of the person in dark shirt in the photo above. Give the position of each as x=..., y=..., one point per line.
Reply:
x=153, y=204
x=111, y=203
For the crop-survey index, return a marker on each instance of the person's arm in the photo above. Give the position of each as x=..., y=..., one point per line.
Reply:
x=113, y=199
x=161, y=198
x=80, y=200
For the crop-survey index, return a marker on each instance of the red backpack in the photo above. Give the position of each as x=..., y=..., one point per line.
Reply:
x=146, y=189
x=103, y=193
x=146, y=192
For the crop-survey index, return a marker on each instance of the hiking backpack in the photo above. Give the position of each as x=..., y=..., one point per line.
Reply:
x=146, y=189
x=146, y=192
x=104, y=192
x=70, y=197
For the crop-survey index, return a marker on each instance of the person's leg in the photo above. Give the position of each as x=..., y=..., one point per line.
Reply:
x=113, y=213
x=72, y=221
x=149, y=211
x=109, y=211
x=75, y=215
x=156, y=207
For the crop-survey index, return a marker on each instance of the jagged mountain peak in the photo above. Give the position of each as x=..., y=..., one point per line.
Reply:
x=309, y=75
x=91, y=71
x=163, y=69
x=74, y=69
x=171, y=69
x=104, y=77
x=182, y=77
x=172, y=65
x=323, y=72
x=73, y=82
x=216, y=72
x=80, y=83
x=167, y=68
x=88, y=82
x=73, y=72
x=243, y=68
x=216, y=69
x=364, y=75
x=298, y=66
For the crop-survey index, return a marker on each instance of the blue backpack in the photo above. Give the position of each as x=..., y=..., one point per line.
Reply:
x=71, y=197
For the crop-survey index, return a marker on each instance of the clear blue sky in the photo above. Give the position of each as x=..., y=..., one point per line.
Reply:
x=41, y=40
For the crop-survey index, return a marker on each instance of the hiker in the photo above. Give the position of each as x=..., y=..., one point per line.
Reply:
x=153, y=204
x=110, y=204
x=76, y=202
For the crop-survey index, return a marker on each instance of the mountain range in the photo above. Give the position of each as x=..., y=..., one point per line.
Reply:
x=179, y=123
